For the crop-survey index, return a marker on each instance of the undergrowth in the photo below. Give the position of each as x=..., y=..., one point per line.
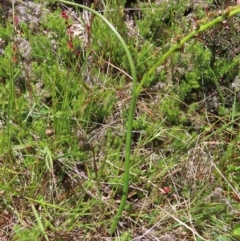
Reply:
x=66, y=88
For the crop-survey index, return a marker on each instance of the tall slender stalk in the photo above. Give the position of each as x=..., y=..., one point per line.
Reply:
x=130, y=116
x=229, y=12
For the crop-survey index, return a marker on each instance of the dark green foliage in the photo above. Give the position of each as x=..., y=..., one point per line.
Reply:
x=100, y=106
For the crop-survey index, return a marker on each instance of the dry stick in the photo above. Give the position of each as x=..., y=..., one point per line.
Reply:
x=95, y=165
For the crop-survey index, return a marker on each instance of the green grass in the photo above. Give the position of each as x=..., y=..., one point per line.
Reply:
x=92, y=149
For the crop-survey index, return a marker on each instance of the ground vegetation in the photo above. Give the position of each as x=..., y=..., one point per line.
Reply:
x=65, y=91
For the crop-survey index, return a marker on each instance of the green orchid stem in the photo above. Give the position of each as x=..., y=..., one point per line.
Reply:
x=130, y=116
x=136, y=90
x=230, y=12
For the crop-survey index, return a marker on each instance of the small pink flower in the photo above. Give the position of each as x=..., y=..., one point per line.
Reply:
x=70, y=32
x=16, y=21
x=64, y=15
x=14, y=59
x=70, y=44
x=166, y=190
x=14, y=48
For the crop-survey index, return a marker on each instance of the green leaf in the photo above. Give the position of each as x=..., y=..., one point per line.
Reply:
x=236, y=229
